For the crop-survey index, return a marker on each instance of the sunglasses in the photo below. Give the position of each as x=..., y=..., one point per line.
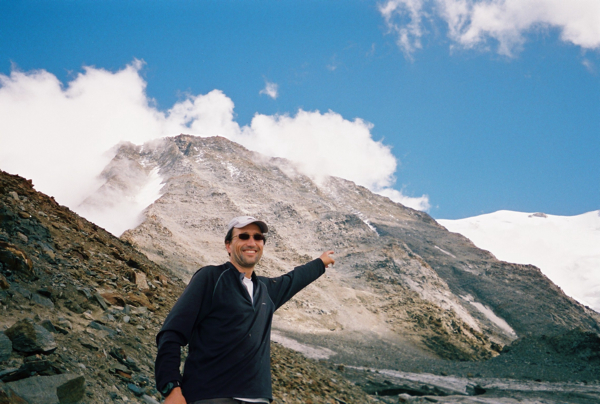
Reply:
x=256, y=237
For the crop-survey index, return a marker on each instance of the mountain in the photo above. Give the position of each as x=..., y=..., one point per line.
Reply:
x=80, y=310
x=404, y=291
x=80, y=307
x=565, y=248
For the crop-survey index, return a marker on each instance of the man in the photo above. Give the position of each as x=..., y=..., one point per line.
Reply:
x=225, y=316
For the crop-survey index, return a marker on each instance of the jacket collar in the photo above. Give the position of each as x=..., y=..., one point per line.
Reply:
x=240, y=274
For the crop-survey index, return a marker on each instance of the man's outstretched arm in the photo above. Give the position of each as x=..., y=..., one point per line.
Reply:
x=283, y=288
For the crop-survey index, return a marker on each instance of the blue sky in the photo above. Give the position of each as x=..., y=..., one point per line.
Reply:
x=478, y=118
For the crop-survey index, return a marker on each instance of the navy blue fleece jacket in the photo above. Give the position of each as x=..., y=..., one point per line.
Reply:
x=228, y=335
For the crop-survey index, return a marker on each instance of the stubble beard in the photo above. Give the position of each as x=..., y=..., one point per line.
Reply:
x=243, y=262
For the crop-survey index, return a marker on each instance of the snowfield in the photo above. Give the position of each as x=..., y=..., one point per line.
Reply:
x=565, y=248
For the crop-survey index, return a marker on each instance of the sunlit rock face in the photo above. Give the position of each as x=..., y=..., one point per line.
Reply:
x=402, y=285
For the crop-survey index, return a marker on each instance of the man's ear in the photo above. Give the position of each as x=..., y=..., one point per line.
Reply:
x=228, y=248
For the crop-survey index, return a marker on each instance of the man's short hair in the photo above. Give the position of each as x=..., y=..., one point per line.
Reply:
x=229, y=236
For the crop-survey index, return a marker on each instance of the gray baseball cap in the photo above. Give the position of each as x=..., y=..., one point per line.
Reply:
x=242, y=221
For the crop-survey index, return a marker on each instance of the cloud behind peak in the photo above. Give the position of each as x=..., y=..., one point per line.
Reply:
x=62, y=136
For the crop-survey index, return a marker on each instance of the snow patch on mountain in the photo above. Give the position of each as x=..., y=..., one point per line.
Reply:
x=565, y=248
x=489, y=313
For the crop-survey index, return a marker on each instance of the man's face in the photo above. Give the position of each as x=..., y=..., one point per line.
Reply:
x=245, y=253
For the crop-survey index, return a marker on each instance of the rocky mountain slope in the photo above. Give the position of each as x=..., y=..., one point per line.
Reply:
x=403, y=289
x=80, y=310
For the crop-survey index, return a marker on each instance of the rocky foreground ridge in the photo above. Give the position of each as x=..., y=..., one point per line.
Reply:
x=80, y=310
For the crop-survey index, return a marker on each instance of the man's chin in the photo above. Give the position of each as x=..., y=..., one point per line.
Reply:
x=251, y=259
x=248, y=264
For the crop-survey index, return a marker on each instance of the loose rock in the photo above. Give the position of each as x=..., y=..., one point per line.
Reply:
x=8, y=396
x=6, y=347
x=58, y=389
x=28, y=337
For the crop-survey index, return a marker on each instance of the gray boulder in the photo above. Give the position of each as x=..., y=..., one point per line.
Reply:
x=5, y=347
x=42, y=301
x=58, y=389
x=7, y=396
x=28, y=337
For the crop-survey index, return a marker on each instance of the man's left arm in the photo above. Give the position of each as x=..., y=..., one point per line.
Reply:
x=283, y=288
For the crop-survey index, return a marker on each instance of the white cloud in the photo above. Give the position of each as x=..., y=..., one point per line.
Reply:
x=589, y=65
x=404, y=18
x=117, y=208
x=59, y=136
x=327, y=144
x=271, y=89
x=323, y=144
x=333, y=65
x=472, y=22
x=202, y=115
x=418, y=203
x=62, y=137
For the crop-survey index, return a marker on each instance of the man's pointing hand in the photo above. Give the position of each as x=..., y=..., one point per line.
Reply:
x=327, y=259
